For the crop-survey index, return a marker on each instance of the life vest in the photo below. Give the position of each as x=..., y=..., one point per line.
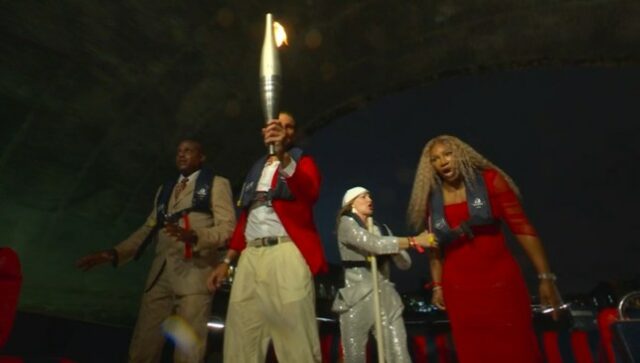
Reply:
x=279, y=191
x=201, y=202
x=383, y=231
x=382, y=259
x=479, y=212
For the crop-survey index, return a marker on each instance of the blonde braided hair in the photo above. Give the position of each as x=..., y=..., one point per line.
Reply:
x=467, y=160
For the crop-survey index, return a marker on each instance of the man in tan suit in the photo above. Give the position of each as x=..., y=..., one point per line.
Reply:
x=191, y=221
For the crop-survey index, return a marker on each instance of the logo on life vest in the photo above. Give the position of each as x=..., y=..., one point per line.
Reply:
x=202, y=192
x=477, y=203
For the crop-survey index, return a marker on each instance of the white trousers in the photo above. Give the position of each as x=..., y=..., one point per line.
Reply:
x=272, y=299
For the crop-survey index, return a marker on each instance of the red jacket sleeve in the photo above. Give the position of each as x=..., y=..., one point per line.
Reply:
x=304, y=184
x=506, y=204
x=238, y=241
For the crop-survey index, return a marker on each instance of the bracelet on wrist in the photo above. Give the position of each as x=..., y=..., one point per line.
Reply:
x=547, y=276
x=412, y=242
x=433, y=285
x=415, y=245
x=227, y=261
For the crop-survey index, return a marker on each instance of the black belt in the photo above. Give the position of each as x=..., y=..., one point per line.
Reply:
x=260, y=199
x=268, y=241
x=352, y=264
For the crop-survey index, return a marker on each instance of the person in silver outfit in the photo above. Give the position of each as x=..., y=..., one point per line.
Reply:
x=354, y=302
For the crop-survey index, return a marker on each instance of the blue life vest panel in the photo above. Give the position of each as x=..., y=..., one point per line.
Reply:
x=479, y=212
x=280, y=191
x=201, y=203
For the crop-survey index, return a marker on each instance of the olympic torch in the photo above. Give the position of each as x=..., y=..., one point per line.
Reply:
x=270, y=75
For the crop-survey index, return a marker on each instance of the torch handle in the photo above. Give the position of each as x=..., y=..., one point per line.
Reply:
x=270, y=76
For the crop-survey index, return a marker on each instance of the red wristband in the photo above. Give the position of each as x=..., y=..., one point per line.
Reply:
x=412, y=243
x=432, y=285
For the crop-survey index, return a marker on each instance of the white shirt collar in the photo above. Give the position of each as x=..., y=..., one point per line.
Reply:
x=191, y=177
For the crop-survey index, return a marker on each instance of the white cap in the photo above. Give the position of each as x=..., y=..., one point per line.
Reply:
x=352, y=193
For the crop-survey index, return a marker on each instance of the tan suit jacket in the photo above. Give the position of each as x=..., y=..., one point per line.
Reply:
x=187, y=276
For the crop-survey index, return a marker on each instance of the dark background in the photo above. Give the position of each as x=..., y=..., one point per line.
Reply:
x=568, y=137
x=95, y=95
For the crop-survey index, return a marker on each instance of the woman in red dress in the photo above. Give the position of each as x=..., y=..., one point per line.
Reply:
x=463, y=198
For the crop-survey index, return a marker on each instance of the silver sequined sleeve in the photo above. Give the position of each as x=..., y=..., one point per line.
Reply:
x=350, y=233
x=354, y=302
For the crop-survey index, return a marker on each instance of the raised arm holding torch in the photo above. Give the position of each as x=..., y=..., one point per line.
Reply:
x=270, y=75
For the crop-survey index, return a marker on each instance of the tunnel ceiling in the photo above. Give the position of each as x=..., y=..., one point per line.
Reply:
x=95, y=94
x=88, y=83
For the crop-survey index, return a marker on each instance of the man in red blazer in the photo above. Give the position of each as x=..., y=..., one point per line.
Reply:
x=273, y=296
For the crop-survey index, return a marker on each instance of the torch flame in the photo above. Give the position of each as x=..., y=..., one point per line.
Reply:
x=279, y=34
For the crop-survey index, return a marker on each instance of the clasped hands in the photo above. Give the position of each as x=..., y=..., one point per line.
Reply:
x=426, y=240
x=181, y=234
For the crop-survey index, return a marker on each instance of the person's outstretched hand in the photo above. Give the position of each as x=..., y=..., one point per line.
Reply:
x=88, y=262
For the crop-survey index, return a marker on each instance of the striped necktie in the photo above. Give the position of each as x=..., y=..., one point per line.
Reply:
x=180, y=187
